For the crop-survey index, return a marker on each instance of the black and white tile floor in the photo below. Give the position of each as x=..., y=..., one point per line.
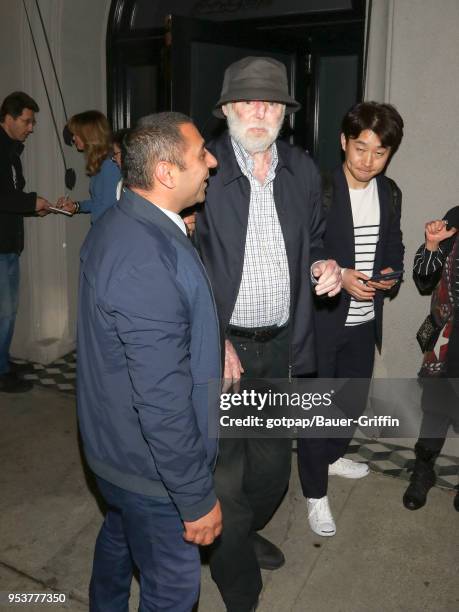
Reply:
x=61, y=374
x=389, y=459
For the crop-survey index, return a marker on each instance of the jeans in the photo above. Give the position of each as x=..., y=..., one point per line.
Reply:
x=9, y=289
x=143, y=532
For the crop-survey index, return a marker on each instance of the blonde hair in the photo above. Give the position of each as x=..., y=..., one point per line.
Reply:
x=94, y=130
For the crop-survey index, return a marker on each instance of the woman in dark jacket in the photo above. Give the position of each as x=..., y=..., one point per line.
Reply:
x=436, y=268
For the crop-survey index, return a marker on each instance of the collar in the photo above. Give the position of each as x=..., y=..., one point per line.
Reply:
x=246, y=163
x=227, y=163
x=175, y=217
x=135, y=206
x=12, y=146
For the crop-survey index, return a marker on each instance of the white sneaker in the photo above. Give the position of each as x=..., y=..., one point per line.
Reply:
x=348, y=468
x=320, y=517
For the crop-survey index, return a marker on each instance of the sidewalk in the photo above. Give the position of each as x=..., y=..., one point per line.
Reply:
x=383, y=558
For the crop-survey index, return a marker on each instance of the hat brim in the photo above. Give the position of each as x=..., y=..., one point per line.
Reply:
x=291, y=105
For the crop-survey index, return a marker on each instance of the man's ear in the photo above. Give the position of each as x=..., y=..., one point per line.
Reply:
x=343, y=142
x=225, y=109
x=164, y=174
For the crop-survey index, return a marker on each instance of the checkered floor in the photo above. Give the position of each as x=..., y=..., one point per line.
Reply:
x=389, y=459
x=60, y=374
x=397, y=461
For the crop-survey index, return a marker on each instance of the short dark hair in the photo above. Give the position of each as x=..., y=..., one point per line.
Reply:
x=119, y=135
x=15, y=103
x=158, y=139
x=382, y=119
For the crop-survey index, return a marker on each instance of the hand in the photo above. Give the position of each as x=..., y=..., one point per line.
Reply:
x=233, y=367
x=435, y=232
x=353, y=285
x=65, y=203
x=384, y=285
x=204, y=530
x=328, y=273
x=42, y=207
x=190, y=222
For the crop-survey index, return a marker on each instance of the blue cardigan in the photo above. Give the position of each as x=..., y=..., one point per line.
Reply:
x=102, y=188
x=148, y=347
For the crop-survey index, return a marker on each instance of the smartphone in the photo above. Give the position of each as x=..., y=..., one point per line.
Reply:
x=388, y=276
x=60, y=210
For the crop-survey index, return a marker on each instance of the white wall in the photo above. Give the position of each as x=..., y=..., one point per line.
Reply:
x=46, y=320
x=416, y=68
x=414, y=64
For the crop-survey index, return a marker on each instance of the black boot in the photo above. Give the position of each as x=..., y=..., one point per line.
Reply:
x=456, y=499
x=422, y=479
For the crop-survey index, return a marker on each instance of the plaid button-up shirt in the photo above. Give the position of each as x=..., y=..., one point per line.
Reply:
x=264, y=293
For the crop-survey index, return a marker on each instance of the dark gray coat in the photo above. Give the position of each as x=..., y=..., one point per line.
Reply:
x=222, y=229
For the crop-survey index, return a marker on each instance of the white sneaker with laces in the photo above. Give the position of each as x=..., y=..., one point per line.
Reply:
x=320, y=517
x=348, y=468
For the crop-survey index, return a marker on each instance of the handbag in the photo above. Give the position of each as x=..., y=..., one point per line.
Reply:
x=427, y=335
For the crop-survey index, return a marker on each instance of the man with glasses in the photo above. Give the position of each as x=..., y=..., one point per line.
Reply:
x=17, y=121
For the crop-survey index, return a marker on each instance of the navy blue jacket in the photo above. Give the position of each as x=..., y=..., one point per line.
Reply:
x=221, y=230
x=148, y=347
x=339, y=244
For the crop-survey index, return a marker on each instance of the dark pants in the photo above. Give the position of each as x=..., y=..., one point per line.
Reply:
x=145, y=532
x=351, y=357
x=440, y=402
x=251, y=478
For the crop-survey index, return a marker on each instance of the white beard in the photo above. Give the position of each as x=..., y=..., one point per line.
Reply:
x=239, y=131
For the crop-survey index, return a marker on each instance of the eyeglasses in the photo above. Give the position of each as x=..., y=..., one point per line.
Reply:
x=28, y=122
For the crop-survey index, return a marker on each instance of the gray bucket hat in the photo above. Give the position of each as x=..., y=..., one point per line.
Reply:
x=256, y=78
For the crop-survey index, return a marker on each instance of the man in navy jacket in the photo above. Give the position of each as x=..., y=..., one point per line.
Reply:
x=148, y=351
x=363, y=234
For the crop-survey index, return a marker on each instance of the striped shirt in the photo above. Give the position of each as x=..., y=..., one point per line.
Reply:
x=366, y=217
x=428, y=262
x=264, y=293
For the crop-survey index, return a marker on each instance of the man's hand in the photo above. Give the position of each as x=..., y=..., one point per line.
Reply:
x=190, y=222
x=233, y=367
x=328, y=274
x=42, y=207
x=204, y=530
x=384, y=285
x=435, y=232
x=353, y=285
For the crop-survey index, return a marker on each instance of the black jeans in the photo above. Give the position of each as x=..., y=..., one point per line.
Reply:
x=251, y=479
x=440, y=403
x=352, y=357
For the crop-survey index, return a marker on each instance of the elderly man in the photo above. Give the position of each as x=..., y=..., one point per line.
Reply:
x=147, y=348
x=258, y=234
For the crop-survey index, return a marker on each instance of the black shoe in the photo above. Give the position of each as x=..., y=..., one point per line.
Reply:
x=239, y=609
x=422, y=479
x=269, y=557
x=456, y=500
x=11, y=383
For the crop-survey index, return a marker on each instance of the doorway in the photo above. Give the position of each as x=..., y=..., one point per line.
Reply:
x=180, y=67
